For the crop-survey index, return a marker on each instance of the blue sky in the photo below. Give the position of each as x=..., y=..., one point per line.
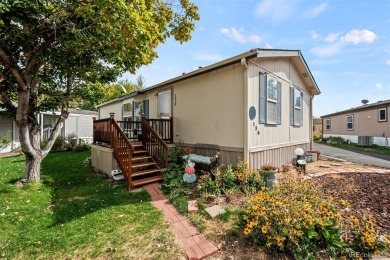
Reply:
x=345, y=43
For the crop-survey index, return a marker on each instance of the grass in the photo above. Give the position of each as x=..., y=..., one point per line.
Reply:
x=73, y=213
x=353, y=146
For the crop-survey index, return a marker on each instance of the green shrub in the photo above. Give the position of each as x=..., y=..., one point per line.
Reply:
x=81, y=147
x=4, y=142
x=179, y=200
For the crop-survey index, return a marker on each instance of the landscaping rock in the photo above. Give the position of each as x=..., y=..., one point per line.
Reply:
x=192, y=206
x=215, y=211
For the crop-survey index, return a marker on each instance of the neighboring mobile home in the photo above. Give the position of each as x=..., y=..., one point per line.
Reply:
x=79, y=123
x=256, y=106
x=366, y=125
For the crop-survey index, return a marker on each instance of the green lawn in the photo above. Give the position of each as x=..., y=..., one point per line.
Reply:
x=353, y=146
x=73, y=213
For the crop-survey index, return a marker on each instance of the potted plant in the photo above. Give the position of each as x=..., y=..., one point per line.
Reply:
x=270, y=174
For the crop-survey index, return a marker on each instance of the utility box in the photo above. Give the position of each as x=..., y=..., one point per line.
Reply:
x=365, y=141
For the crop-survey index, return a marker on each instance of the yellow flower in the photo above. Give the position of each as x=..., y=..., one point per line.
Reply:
x=268, y=244
x=264, y=229
x=247, y=231
x=377, y=252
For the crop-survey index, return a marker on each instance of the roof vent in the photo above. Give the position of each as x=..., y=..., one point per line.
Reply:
x=364, y=101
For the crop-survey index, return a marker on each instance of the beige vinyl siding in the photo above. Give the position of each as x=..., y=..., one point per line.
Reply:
x=276, y=155
x=275, y=144
x=104, y=111
x=260, y=135
x=71, y=125
x=209, y=108
x=365, y=124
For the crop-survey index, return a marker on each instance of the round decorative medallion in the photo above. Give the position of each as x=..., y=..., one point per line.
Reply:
x=252, y=112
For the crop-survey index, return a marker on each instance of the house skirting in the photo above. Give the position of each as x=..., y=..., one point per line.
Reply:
x=102, y=159
x=275, y=156
x=378, y=140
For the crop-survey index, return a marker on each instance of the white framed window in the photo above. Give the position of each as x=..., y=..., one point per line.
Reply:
x=327, y=124
x=382, y=114
x=138, y=110
x=296, y=107
x=127, y=110
x=164, y=104
x=350, y=122
x=270, y=100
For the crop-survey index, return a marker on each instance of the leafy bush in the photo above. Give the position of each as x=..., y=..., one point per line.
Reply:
x=173, y=175
x=81, y=147
x=317, y=138
x=59, y=144
x=298, y=219
x=225, y=179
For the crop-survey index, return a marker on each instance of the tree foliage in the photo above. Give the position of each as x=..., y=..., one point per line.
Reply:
x=54, y=51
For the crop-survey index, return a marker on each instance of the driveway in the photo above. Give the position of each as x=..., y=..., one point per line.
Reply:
x=361, y=157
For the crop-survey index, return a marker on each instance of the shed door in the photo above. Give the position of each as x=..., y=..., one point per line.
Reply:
x=164, y=104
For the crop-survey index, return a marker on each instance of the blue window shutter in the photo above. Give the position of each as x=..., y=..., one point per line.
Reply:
x=146, y=108
x=291, y=106
x=262, y=99
x=279, y=105
x=301, y=108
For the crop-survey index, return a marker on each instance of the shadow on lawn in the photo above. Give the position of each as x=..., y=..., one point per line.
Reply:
x=76, y=191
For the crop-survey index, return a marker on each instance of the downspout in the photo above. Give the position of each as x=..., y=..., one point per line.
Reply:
x=244, y=65
x=311, y=122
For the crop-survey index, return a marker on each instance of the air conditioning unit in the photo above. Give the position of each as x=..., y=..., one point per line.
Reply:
x=365, y=140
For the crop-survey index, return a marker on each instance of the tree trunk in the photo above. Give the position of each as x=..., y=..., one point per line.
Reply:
x=32, y=171
x=33, y=160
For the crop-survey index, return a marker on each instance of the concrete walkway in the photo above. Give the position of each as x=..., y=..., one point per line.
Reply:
x=360, y=157
x=195, y=245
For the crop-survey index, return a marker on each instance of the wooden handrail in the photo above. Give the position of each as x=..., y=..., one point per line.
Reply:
x=123, y=150
x=163, y=127
x=154, y=144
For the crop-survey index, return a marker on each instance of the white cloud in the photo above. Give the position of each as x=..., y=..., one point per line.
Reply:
x=314, y=12
x=240, y=36
x=378, y=85
x=204, y=56
x=359, y=36
x=254, y=38
x=268, y=46
x=332, y=37
x=276, y=10
x=388, y=62
x=314, y=35
x=326, y=50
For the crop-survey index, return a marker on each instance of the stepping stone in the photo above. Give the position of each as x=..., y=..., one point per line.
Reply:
x=215, y=211
x=192, y=205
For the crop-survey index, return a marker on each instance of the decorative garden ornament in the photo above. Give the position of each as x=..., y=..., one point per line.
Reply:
x=189, y=176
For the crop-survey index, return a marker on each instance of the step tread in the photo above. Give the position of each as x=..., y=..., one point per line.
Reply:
x=147, y=180
x=141, y=158
x=143, y=164
x=140, y=151
x=139, y=173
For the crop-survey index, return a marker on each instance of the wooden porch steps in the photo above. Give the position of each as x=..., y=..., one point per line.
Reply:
x=144, y=169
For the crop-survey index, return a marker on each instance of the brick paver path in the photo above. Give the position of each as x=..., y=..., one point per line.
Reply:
x=195, y=245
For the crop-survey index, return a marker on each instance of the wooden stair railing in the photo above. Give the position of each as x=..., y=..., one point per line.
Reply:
x=154, y=144
x=123, y=151
x=140, y=164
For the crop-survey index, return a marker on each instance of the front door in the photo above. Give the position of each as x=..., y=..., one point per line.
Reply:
x=164, y=105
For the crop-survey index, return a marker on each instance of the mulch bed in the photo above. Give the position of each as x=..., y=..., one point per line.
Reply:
x=364, y=191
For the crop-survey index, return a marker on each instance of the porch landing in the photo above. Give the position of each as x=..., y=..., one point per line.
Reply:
x=195, y=245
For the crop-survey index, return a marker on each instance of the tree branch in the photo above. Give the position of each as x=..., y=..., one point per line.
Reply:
x=56, y=131
x=7, y=63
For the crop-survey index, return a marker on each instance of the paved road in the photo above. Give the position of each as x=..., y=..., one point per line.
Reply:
x=361, y=157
